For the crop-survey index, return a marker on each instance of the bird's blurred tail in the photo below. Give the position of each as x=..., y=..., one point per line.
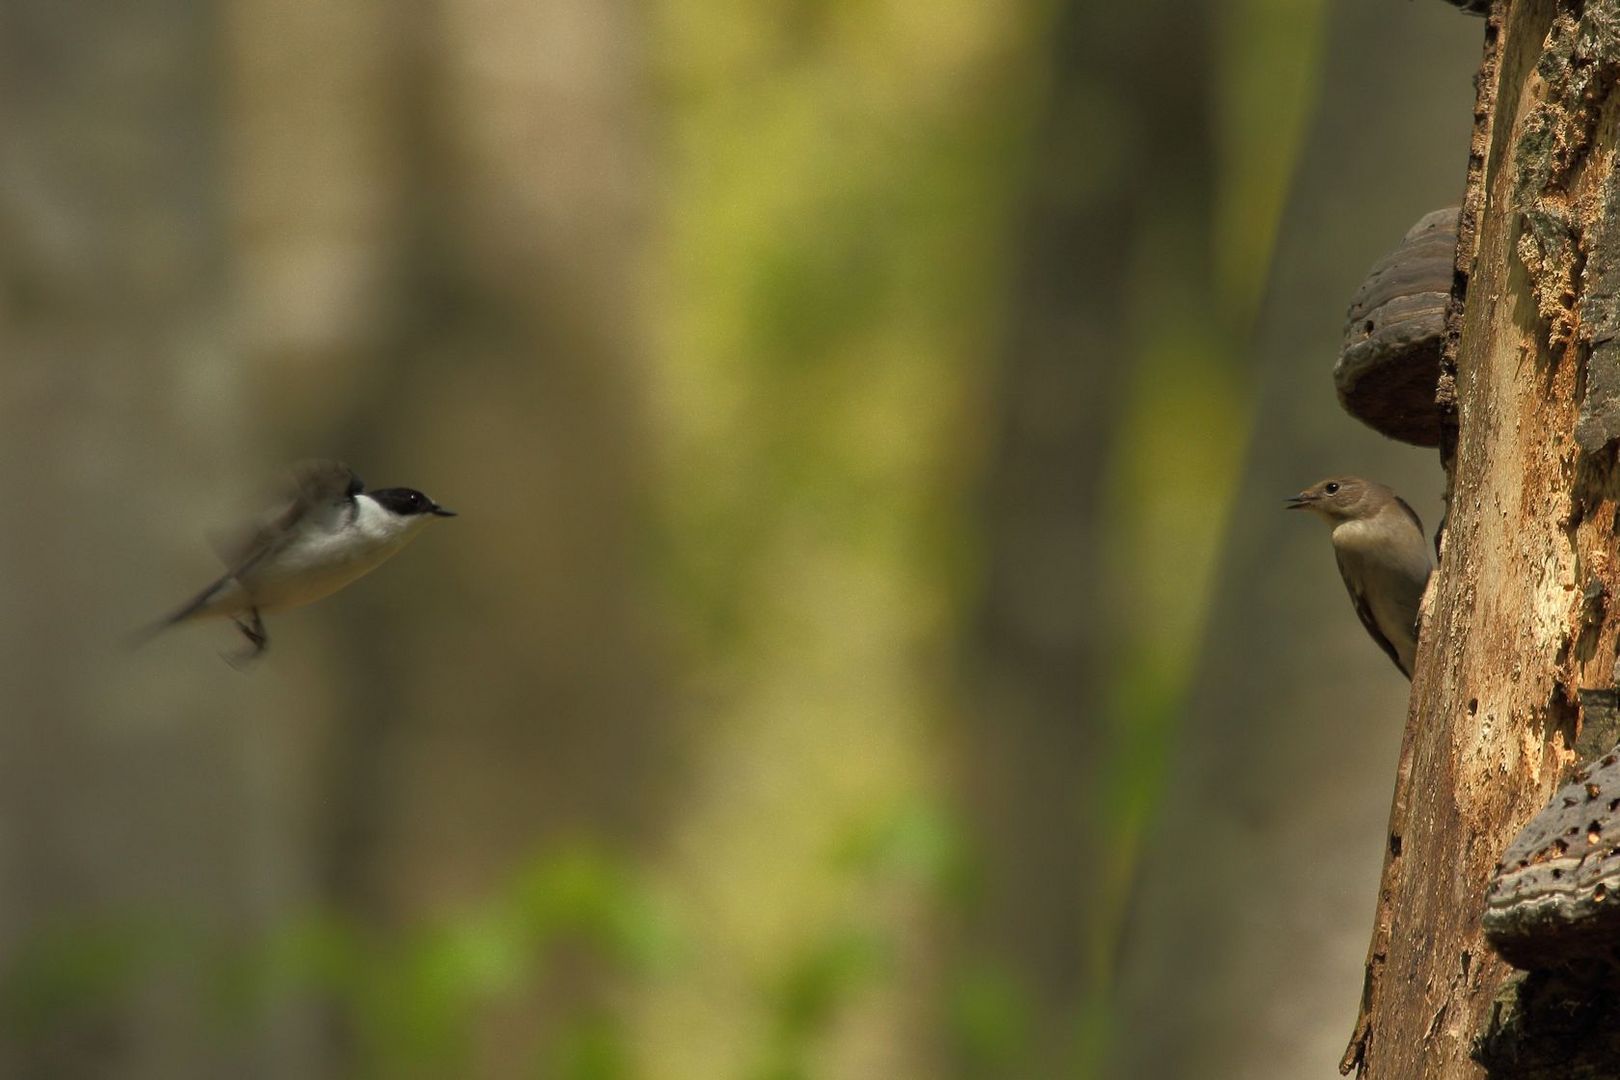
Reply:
x=179, y=615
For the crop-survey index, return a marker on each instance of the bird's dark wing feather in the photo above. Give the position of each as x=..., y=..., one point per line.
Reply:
x=1364, y=613
x=309, y=486
x=319, y=480
x=1411, y=513
x=194, y=605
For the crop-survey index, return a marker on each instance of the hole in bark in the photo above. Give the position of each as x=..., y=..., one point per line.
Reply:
x=1593, y=791
x=1594, y=833
x=1557, y=874
x=1614, y=804
x=1395, y=844
x=1600, y=894
x=1473, y=706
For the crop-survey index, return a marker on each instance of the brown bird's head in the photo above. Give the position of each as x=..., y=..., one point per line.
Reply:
x=1342, y=498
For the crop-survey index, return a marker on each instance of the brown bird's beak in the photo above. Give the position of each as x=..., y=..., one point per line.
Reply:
x=1300, y=501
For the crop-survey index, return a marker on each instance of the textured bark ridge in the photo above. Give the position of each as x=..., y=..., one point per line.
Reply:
x=1516, y=663
x=1562, y=239
x=1599, y=324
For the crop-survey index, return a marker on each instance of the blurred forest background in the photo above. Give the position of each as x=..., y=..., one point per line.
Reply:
x=872, y=645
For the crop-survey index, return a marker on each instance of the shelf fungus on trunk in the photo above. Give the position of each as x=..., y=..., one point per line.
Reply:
x=1555, y=896
x=1389, y=364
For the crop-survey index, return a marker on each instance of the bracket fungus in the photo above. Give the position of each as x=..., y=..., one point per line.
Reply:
x=1389, y=364
x=1555, y=896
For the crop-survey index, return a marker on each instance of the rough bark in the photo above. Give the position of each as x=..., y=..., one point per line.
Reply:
x=1510, y=637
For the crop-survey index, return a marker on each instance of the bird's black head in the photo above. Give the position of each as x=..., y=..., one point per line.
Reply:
x=407, y=502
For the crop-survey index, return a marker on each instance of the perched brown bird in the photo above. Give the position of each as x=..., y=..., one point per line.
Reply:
x=1382, y=555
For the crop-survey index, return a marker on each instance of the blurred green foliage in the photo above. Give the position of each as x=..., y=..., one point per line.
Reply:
x=75, y=967
x=412, y=1000
x=823, y=978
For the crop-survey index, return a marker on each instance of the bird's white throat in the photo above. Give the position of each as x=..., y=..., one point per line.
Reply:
x=381, y=526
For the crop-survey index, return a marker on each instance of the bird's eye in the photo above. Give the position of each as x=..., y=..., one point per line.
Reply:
x=1331, y=489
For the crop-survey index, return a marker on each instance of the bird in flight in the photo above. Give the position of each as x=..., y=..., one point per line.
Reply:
x=327, y=532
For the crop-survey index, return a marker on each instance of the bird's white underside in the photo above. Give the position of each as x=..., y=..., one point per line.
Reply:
x=326, y=553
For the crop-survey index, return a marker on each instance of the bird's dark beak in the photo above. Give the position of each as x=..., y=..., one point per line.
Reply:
x=439, y=511
x=1299, y=502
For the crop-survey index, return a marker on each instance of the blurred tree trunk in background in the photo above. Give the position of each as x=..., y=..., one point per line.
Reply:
x=841, y=178
x=1512, y=640
x=1252, y=937
x=525, y=239
x=1126, y=394
x=137, y=791
x=1036, y=654
x=492, y=152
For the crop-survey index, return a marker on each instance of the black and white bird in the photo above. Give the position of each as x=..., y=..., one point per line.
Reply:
x=1378, y=541
x=328, y=532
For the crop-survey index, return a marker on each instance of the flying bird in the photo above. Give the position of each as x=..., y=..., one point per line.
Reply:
x=327, y=532
x=1378, y=541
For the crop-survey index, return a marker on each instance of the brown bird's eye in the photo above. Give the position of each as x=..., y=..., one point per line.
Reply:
x=1331, y=489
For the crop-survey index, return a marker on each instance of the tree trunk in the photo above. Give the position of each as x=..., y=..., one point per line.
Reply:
x=442, y=210
x=1510, y=638
x=138, y=790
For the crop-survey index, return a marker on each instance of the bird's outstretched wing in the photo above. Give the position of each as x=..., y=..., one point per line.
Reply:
x=1364, y=613
x=311, y=488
